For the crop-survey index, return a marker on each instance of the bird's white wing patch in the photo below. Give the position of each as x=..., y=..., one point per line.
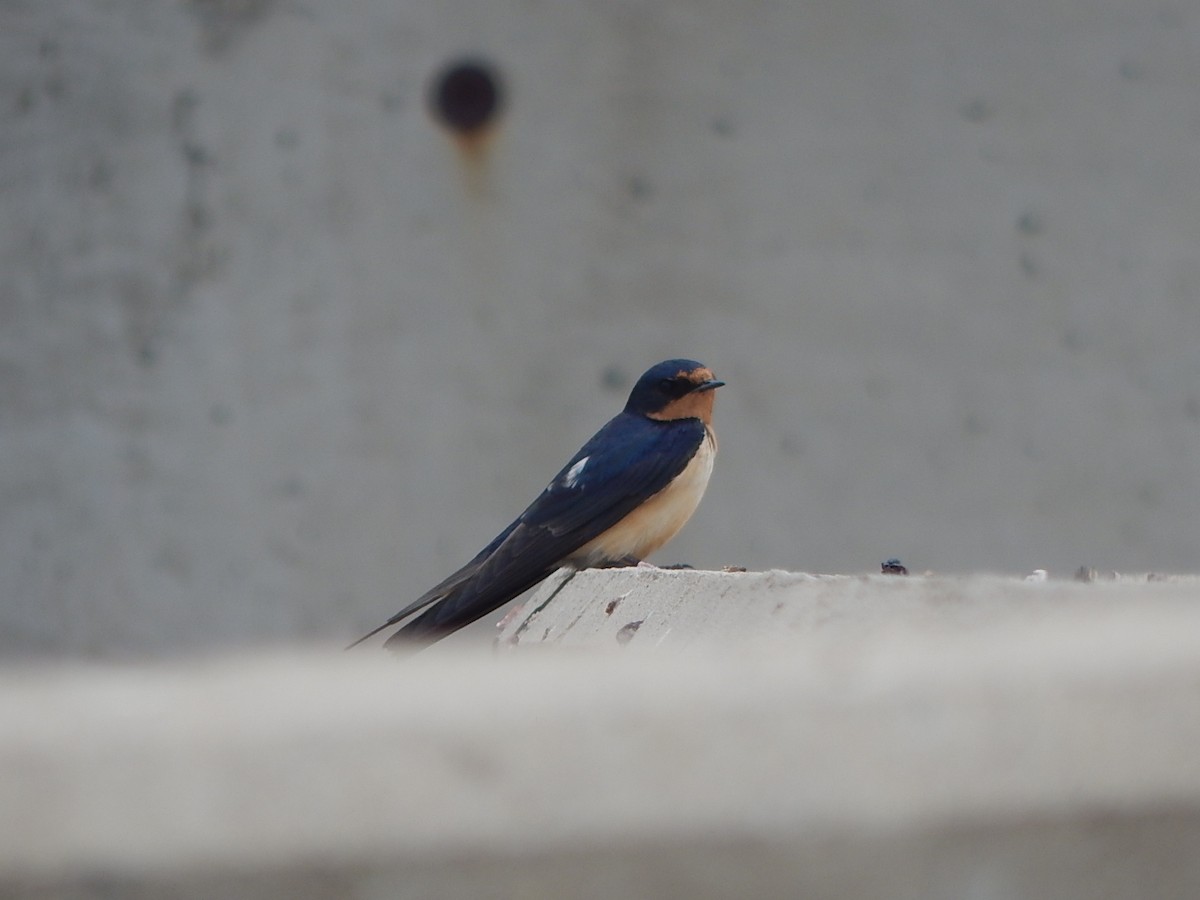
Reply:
x=571, y=478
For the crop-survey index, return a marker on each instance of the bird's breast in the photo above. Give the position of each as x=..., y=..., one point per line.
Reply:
x=657, y=520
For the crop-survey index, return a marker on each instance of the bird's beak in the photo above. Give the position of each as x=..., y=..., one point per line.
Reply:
x=710, y=385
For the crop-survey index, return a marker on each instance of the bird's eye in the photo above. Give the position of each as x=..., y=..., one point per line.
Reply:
x=667, y=385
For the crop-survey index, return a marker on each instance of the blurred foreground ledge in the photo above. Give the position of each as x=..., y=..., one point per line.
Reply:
x=753, y=735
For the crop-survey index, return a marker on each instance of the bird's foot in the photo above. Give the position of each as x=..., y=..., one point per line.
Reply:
x=510, y=616
x=624, y=562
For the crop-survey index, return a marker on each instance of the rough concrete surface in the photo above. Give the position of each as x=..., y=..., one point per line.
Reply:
x=977, y=739
x=277, y=352
x=649, y=607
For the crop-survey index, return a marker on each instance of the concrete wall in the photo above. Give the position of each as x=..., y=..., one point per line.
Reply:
x=276, y=352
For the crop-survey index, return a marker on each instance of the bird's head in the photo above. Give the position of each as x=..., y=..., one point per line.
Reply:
x=674, y=389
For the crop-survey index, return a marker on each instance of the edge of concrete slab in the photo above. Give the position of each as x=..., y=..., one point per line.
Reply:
x=1046, y=748
x=679, y=609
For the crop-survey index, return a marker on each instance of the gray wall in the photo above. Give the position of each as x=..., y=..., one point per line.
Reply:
x=277, y=353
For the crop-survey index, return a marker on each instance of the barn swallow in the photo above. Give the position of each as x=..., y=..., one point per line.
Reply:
x=621, y=497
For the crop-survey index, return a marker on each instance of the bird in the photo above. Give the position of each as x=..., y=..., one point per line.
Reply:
x=628, y=491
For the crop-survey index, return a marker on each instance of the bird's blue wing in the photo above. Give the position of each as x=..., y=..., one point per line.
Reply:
x=628, y=461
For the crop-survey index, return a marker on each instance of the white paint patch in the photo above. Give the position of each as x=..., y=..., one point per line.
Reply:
x=572, y=477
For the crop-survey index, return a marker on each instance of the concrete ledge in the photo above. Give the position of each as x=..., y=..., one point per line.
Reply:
x=642, y=607
x=1035, y=749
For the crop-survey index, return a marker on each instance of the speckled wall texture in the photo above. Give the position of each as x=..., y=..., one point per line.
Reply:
x=281, y=345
